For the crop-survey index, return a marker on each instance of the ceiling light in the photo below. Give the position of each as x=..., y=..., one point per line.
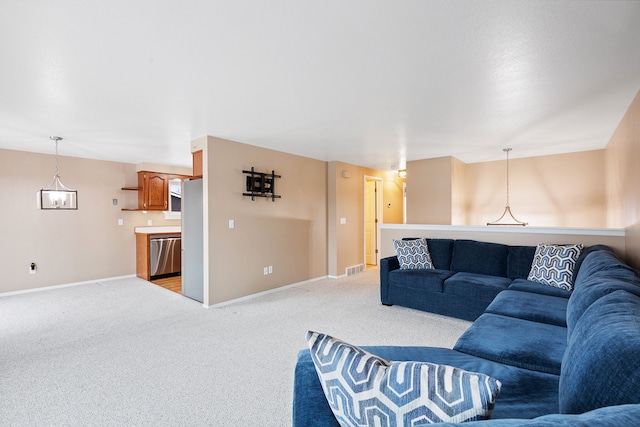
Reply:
x=507, y=217
x=57, y=195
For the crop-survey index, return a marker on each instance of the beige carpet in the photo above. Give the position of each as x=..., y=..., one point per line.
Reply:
x=128, y=352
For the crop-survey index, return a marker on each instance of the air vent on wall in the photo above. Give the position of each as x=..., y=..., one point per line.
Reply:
x=355, y=269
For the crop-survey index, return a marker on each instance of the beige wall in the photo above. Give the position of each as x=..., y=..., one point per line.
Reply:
x=289, y=234
x=623, y=180
x=67, y=246
x=346, y=200
x=459, y=208
x=393, y=199
x=565, y=190
x=429, y=191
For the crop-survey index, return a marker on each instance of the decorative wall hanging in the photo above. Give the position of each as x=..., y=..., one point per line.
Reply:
x=507, y=217
x=57, y=195
x=261, y=184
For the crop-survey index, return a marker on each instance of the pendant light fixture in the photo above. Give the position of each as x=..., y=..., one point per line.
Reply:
x=507, y=217
x=57, y=195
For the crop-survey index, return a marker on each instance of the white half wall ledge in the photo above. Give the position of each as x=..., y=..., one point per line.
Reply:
x=610, y=232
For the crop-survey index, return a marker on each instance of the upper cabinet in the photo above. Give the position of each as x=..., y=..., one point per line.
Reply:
x=153, y=191
x=197, y=164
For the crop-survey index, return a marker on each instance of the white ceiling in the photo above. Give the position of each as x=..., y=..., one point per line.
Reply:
x=373, y=83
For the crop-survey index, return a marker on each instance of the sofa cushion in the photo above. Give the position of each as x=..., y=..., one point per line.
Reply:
x=413, y=254
x=610, y=416
x=599, y=284
x=529, y=306
x=471, y=256
x=538, y=288
x=519, y=261
x=440, y=250
x=475, y=286
x=601, y=366
x=524, y=394
x=530, y=345
x=553, y=265
x=363, y=389
x=426, y=280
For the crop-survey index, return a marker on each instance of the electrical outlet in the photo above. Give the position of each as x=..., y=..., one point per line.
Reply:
x=120, y=221
x=149, y=222
x=32, y=268
x=266, y=271
x=270, y=269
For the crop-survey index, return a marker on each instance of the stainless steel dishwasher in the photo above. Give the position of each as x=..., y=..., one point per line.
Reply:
x=165, y=255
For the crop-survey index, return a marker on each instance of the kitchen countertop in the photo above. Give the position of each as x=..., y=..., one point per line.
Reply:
x=158, y=230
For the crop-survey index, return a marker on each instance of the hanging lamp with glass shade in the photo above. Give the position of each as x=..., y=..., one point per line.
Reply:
x=57, y=195
x=507, y=217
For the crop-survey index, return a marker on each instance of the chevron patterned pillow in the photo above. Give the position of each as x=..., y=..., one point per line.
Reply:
x=365, y=390
x=553, y=265
x=413, y=254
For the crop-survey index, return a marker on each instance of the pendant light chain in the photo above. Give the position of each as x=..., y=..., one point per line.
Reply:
x=56, y=138
x=507, y=151
x=507, y=217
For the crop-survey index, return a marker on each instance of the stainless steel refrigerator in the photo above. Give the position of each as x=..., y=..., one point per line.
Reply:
x=192, y=242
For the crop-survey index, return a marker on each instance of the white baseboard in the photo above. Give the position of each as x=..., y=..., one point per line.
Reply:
x=270, y=291
x=67, y=285
x=349, y=271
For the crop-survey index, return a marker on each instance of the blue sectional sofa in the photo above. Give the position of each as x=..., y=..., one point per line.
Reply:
x=468, y=275
x=562, y=358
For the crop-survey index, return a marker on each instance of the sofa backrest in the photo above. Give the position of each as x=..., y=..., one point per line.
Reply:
x=519, y=261
x=600, y=274
x=440, y=251
x=601, y=366
x=594, y=259
x=471, y=256
x=597, y=286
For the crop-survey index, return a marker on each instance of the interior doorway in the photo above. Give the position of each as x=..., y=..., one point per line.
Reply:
x=372, y=219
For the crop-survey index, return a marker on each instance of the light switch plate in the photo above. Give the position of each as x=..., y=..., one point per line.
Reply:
x=343, y=220
x=232, y=223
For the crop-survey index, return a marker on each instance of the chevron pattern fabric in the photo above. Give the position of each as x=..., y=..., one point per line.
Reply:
x=413, y=254
x=365, y=390
x=553, y=265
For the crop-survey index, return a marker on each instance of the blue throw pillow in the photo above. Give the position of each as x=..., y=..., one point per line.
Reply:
x=413, y=254
x=365, y=390
x=553, y=265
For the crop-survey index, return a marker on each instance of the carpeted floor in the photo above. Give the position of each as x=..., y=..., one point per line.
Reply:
x=126, y=352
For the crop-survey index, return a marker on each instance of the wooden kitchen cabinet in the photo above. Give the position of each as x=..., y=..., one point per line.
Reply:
x=143, y=256
x=153, y=191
